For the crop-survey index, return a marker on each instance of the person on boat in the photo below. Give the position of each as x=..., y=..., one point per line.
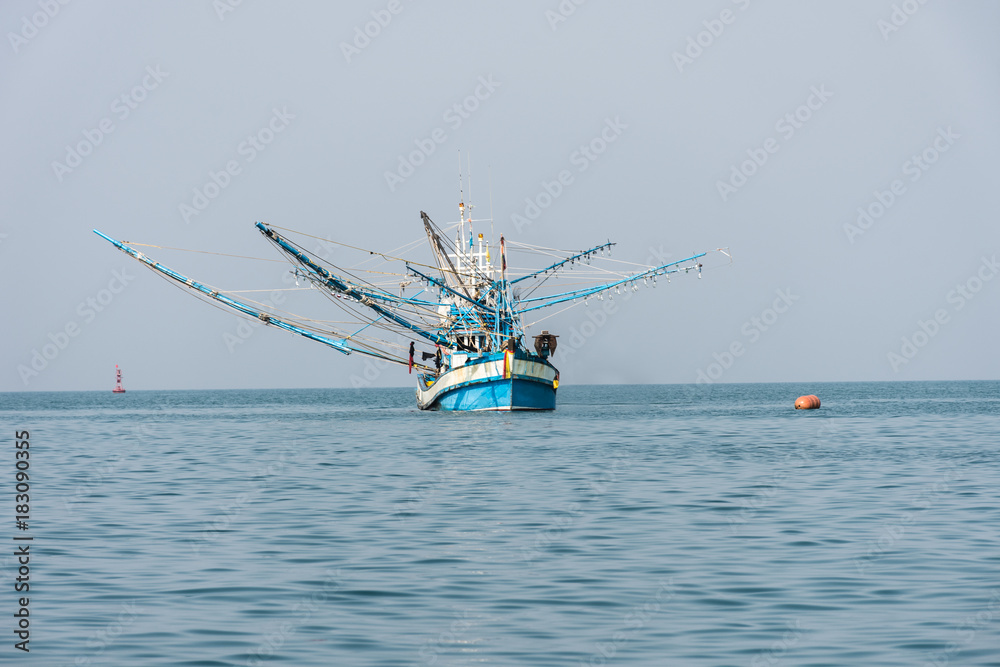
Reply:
x=412, y=352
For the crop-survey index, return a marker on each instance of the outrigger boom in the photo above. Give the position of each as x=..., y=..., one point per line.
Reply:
x=267, y=318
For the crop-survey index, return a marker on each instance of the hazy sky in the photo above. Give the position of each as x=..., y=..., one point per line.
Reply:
x=761, y=126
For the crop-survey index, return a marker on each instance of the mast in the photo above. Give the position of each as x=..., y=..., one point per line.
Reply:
x=460, y=236
x=448, y=271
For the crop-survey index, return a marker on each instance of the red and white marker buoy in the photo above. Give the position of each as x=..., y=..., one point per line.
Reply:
x=119, y=389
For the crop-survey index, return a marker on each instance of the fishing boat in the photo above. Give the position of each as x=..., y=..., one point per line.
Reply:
x=466, y=308
x=119, y=389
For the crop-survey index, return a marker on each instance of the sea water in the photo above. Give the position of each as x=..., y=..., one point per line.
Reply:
x=635, y=525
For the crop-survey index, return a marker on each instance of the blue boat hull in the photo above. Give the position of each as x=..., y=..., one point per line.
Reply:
x=491, y=382
x=500, y=395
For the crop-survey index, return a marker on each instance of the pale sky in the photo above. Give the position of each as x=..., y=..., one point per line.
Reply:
x=759, y=126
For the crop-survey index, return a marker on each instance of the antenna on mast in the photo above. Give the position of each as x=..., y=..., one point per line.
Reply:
x=460, y=236
x=461, y=193
x=468, y=163
x=489, y=170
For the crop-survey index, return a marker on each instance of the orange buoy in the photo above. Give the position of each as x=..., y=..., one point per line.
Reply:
x=809, y=402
